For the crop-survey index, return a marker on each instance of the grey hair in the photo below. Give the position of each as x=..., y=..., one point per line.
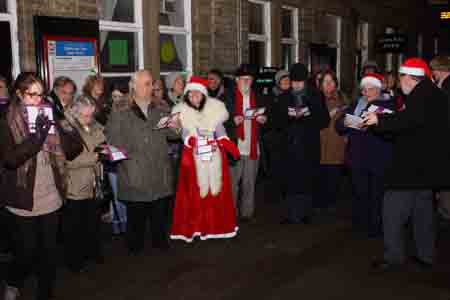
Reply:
x=82, y=101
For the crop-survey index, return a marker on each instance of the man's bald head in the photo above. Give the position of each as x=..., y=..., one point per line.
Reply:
x=141, y=85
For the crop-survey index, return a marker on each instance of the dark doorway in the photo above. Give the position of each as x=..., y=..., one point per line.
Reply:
x=6, y=52
x=322, y=57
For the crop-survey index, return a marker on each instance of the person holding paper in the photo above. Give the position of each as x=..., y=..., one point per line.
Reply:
x=204, y=205
x=420, y=165
x=275, y=135
x=146, y=179
x=332, y=147
x=81, y=220
x=367, y=155
x=246, y=133
x=309, y=116
x=34, y=184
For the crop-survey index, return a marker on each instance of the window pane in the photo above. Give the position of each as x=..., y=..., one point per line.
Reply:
x=287, y=23
x=173, y=54
x=257, y=53
x=287, y=52
x=118, y=51
x=256, y=18
x=3, y=6
x=118, y=10
x=172, y=13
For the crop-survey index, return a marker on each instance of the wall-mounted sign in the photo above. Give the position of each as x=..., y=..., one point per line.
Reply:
x=73, y=57
x=444, y=15
x=391, y=43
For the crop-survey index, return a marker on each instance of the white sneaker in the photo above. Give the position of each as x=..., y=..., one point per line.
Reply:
x=11, y=293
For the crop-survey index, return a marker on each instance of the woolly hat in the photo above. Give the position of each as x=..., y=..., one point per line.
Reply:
x=197, y=84
x=281, y=75
x=441, y=63
x=298, y=72
x=372, y=79
x=415, y=67
x=170, y=79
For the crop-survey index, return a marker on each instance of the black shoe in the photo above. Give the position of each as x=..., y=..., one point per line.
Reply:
x=287, y=221
x=306, y=220
x=421, y=264
x=381, y=266
x=247, y=220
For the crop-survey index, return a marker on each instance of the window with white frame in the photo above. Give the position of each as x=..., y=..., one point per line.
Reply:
x=9, y=64
x=289, y=36
x=121, y=39
x=259, y=33
x=175, y=36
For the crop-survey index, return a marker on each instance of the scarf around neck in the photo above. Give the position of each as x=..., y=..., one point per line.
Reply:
x=240, y=132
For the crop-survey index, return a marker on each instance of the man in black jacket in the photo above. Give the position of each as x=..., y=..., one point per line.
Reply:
x=307, y=116
x=420, y=164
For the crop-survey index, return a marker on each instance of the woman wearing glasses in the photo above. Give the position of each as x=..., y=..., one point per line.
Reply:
x=32, y=188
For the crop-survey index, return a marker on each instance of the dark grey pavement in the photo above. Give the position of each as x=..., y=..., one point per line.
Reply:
x=324, y=260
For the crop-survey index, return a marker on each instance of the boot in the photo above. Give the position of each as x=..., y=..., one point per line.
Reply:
x=11, y=293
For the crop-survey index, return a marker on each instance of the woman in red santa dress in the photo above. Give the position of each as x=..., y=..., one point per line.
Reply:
x=204, y=206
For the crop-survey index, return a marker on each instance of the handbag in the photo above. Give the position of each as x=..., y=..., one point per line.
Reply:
x=103, y=192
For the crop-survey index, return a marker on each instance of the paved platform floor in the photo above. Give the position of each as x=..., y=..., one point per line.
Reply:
x=324, y=260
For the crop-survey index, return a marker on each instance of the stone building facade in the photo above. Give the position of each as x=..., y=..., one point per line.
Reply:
x=219, y=32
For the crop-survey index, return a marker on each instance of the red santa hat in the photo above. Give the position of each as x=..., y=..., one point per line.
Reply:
x=197, y=83
x=415, y=67
x=373, y=79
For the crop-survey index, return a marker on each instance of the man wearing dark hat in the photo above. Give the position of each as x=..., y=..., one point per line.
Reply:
x=307, y=116
x=245, y=130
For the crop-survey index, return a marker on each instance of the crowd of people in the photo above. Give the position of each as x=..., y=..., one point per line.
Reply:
x=191, y=154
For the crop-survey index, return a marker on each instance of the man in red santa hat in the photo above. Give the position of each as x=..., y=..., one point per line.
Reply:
x=420, y=165
x=204, y=203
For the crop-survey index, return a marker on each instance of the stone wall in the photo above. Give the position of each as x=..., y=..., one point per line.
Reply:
x=26, y=9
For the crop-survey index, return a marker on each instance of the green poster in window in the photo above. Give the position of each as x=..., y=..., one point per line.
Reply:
x=118, y=52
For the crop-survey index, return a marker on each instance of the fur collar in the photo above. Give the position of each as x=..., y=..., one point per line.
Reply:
x=213, y=114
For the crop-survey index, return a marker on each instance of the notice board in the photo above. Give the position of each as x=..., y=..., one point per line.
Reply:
x=66, y=47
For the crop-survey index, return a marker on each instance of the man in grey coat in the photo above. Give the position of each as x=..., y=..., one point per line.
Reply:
x=145, y=180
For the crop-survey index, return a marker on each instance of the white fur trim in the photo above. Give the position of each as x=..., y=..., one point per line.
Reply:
x=209, y=174
x=186, y=141
x=205, y=237
x=214, y=113
x=194, y=86
x=369, y=80
x=412, y=71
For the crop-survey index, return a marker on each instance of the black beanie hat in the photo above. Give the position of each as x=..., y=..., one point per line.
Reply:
x=298, y=72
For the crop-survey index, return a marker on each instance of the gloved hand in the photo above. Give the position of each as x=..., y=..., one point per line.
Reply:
x=192, y=141
x=43, y=125
x=230, y=147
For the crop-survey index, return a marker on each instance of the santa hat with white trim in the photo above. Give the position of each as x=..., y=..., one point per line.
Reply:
x=372, y=79
x=415, y=67
x=197, y=83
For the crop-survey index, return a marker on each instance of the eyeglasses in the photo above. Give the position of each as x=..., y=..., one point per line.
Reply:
x=34, y=95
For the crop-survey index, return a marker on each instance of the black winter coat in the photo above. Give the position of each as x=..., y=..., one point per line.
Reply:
x=421, y=144
x=303, y=150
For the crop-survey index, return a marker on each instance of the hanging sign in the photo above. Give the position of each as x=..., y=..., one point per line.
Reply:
x=391, y=43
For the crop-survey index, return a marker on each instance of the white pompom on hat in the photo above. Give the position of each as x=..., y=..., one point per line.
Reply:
x=373, y=79
x=197, y=83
